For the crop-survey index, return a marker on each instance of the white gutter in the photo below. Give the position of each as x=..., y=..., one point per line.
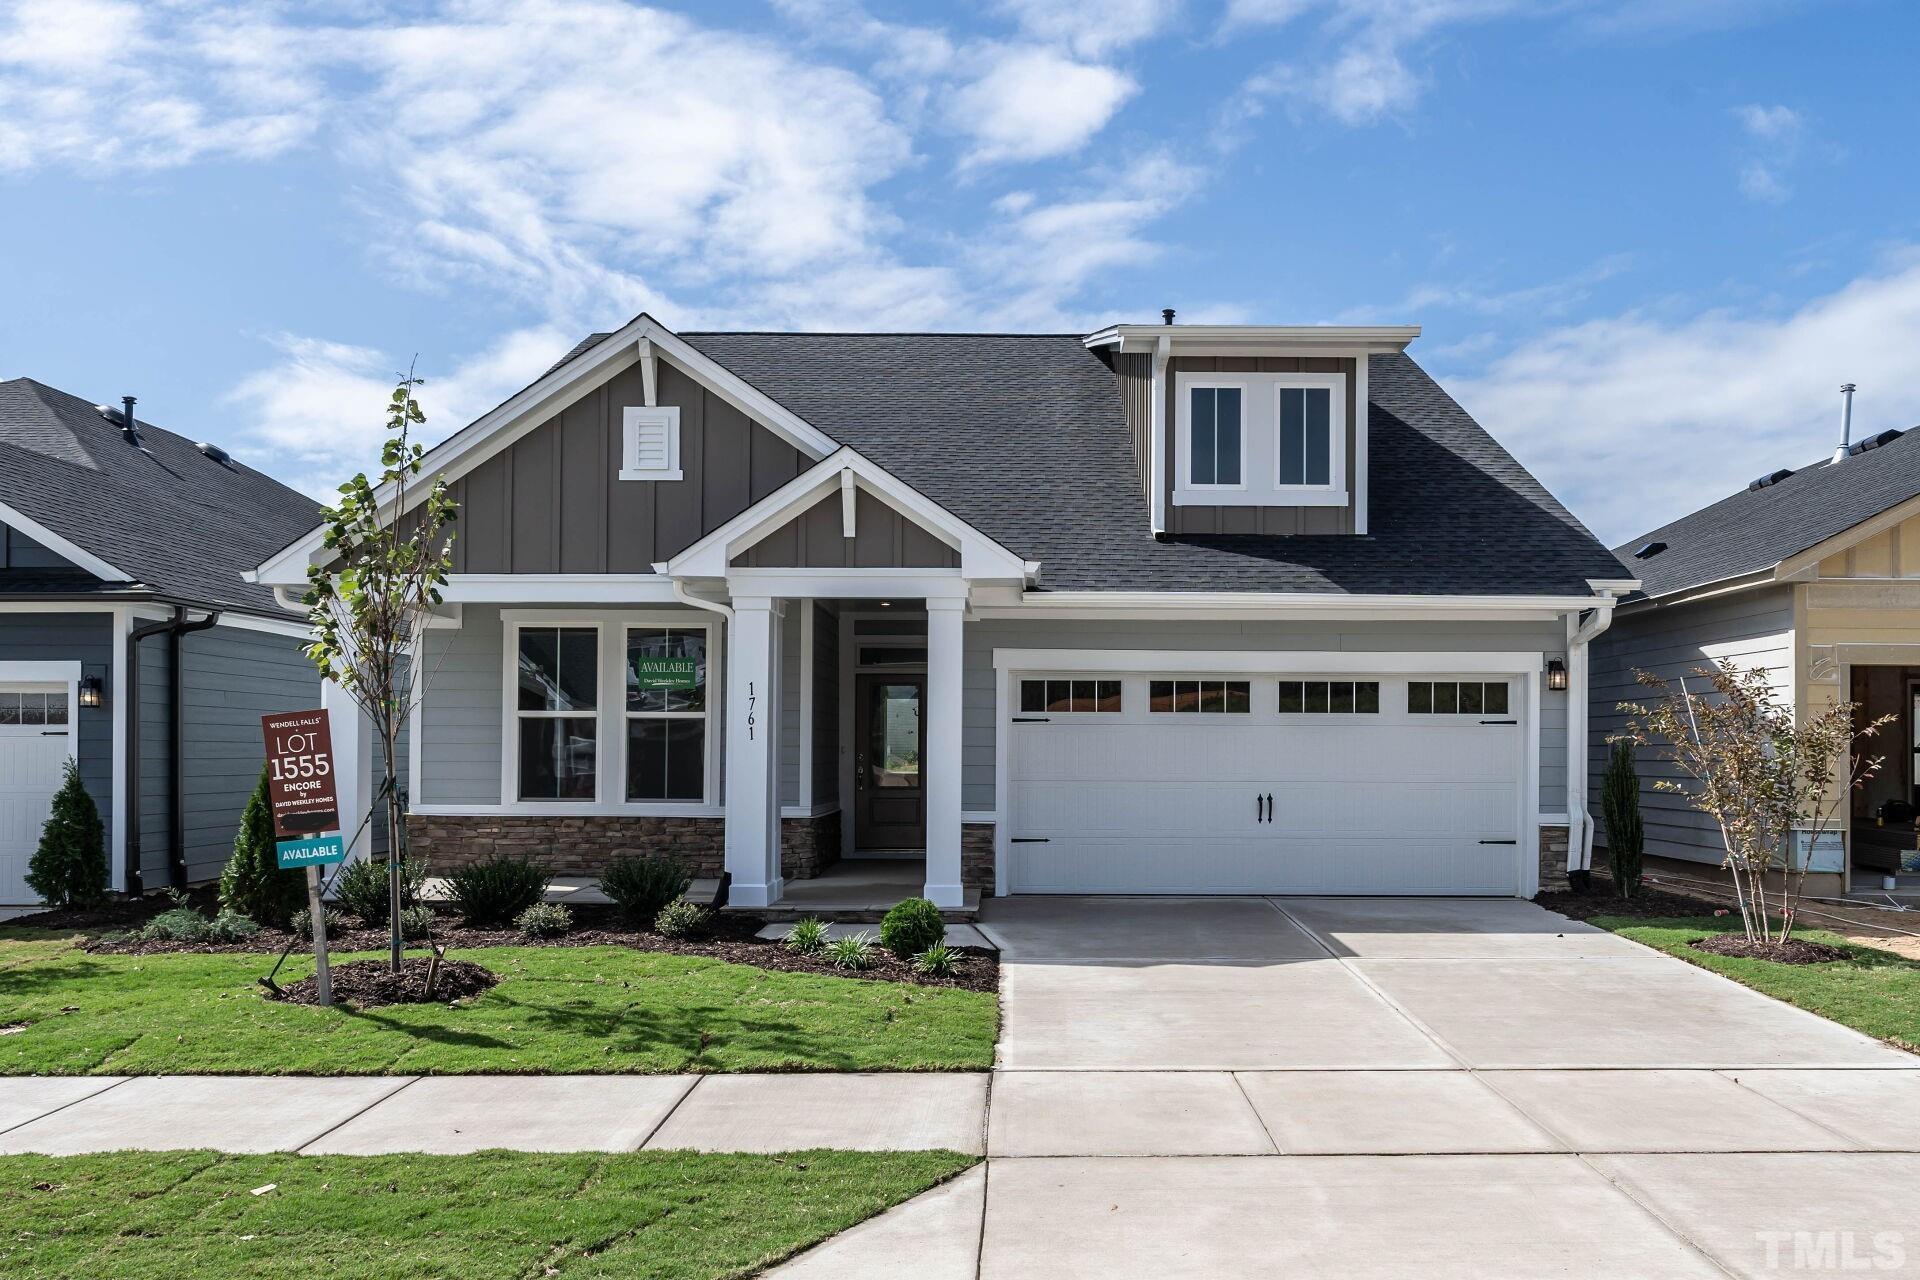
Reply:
x=1579, y=635
x=685, y=596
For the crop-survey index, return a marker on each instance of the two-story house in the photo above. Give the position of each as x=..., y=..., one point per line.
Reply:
x=1167, y=609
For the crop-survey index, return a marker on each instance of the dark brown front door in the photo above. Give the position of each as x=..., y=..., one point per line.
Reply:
x=889, y=804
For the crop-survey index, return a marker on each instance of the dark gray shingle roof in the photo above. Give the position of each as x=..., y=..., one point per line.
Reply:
x=1022, y=435
x=1757, y=529
x=182, y=524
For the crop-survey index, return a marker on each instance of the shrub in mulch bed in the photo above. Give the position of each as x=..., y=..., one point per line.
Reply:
x=1792, y=951
x=367, y=984
x=725, y=936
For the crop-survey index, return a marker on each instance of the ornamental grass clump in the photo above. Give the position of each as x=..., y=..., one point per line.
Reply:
x=362, y=889
x=937, y=961
x=1763, y=774
x=855, y=951
x=807, y=937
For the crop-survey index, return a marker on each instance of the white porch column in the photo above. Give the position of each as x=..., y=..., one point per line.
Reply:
x=352, y=767
x=753, y=706
x=941, y=762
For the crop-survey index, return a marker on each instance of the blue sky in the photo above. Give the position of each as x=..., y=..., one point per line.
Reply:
x=1647, y=238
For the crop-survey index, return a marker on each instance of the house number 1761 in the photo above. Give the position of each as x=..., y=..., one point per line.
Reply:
x=753, y=700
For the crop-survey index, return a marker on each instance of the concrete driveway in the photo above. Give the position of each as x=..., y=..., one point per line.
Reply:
x=1359, y=1088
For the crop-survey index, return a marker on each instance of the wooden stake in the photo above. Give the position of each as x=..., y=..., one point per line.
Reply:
x=317, y=914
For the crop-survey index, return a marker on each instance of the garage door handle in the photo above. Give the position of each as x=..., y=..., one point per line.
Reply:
x=1499, y=842
x=1269, y=806
x=53, y=733
x=1499, y=722
x=1031, y=839
x=1031, y=720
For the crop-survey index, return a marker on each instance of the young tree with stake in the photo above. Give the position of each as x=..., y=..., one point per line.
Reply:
x=370, y=602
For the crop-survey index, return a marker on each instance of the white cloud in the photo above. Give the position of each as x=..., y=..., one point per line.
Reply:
x=319, y=414
x=1092, y=33
x=1773, y=135
x=1636, y=420
x=1031, y=103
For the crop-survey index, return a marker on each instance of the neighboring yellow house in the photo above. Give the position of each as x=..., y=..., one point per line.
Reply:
x=1815, y=576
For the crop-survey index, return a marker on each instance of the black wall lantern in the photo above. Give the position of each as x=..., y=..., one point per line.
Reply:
x=93, y=691
x=1556, y=675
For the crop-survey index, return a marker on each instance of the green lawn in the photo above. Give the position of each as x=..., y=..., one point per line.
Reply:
x=556, y=1010
x=1872, y=991
x=678, y=1215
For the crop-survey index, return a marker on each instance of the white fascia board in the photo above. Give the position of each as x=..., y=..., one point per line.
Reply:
x=60, y=546
x=712, y=555
x=1613, y=586
x=1178, y=603
x=643, y=337
x=558, y=588
x=1191, y=339
x=847, y=584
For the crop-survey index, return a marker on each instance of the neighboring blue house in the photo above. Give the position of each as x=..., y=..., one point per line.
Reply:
x=128, y=638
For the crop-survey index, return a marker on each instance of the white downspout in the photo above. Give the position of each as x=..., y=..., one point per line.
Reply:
x=1579, y=635
x=685, y=596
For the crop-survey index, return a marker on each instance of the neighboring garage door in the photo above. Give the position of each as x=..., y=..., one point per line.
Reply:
x=1262, y=784
x=35, y=741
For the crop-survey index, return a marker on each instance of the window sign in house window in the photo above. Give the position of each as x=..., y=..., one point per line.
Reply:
x=1306, y=436
x=1329, y=697
x=666, y=709
x=1069, y=695
x=1232, y=697
x=1457, y=697
x=1215, y=436
x=557, y=709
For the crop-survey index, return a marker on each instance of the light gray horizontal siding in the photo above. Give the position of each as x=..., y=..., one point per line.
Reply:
x=1750, y=628
x=86, y=638
x=982, y=638
x=460, y=711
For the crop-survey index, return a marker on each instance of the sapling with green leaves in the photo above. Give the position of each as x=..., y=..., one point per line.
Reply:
x=389, y=553
x=1760, y=771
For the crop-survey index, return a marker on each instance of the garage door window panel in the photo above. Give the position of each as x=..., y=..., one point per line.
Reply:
x=1329, y=697
x=1198, y=696
x=1070, y=696
x=1458, y=697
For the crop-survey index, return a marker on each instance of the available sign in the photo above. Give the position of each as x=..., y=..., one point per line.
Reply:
x=666, y=673
x=300, y=787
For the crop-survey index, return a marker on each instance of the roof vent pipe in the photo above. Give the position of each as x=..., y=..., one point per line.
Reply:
x=1846, y=421
x=127, y=427
x=1166, y=315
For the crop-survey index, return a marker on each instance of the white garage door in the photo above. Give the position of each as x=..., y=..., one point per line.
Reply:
x=34, y=744
x=1263, y=784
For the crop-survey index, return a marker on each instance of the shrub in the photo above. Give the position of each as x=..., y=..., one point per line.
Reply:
x=490, y=894
x=416, y=921
x=679, y=918
x=1620, y=805
x=544, y=920
x=361, y=888
x=807, y=937
x=911, y=927
x=253, y=883
x=184, y=924
x=855, y=951
x=937, y=961
x=303, y=922
x=69, y=869
x=642, y=884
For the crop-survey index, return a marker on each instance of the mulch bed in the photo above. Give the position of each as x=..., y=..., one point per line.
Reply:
x=1793, y=951
x=727, y=936
x=367, y=984
x=1648, y=903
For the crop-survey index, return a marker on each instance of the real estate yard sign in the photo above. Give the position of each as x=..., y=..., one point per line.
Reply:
x=306, y=811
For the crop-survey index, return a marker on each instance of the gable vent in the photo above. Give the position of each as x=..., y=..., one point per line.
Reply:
x=1771, y=478
x=652, y=446
x=1649, y=551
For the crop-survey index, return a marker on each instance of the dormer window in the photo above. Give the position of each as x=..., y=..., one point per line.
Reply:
x=1261, y=440
x=1214, y=438
x=650, y=443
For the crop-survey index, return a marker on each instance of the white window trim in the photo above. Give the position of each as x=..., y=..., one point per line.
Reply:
x=1183, y=443
x=1336, y=486
x=610, y=716
x=632, y=418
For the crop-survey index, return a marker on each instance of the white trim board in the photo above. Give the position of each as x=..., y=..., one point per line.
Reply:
x=60, y=546
x=1272, y=662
